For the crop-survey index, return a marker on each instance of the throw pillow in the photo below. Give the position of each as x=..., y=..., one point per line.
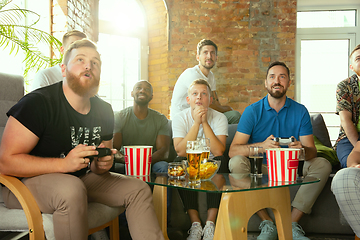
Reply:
x=326, y=152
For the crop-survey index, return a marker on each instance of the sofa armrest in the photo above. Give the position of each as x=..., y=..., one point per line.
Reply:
x=29, y=205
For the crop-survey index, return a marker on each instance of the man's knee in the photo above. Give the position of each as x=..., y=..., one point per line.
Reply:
x=238, y=164
x=319, y=165
x=347, y=178
x=233, y=116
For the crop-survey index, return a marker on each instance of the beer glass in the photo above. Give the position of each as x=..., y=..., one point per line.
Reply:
x=193, y=153
x=256, y=159
x=205, y=143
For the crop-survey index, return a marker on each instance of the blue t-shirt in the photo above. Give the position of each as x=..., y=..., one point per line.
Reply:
x=260, y=121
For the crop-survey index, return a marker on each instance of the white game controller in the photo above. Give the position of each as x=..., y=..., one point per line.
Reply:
x=284, y=141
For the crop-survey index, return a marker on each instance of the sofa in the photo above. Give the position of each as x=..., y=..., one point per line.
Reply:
x=325, y=218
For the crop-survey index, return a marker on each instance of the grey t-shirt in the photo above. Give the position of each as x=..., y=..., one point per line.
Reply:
x=140, y=132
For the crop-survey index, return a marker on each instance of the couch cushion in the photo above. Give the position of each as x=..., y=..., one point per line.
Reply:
x=326, y=152
x=14, y=220
x=12, y=89
x=320, y=129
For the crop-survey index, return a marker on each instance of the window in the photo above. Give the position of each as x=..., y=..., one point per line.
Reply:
x=319, y=19
x=325, y=39
x=123, y=47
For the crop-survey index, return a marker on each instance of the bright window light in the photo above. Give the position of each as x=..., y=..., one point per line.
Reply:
x=325, y=19
x=123, y=13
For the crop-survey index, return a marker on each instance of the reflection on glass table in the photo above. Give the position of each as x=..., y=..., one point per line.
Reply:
x=226, y=182
x=242, y=196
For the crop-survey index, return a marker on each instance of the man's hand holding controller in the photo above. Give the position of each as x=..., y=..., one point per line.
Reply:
x=103, y=152
x=104, y=158
x=284, y=141
x=291, y=142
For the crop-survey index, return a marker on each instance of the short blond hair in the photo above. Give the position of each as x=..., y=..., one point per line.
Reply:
x=71, y=33
x=200, y=82
x=78, y=44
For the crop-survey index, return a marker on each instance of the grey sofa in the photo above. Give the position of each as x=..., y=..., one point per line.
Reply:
x=324, y=219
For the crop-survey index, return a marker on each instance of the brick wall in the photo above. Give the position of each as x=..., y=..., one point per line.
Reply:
x=250, y=34
x=157, y=21
x=74, y=14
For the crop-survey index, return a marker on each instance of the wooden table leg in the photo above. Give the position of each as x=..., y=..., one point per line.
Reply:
x=236, y=208
x=160, y=204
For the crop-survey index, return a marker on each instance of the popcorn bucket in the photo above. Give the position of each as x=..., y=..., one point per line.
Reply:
x=138, y=160
x=282, y=164
x=144, y=178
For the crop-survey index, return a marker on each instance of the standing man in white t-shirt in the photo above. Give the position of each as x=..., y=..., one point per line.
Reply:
x=53, y=74
x=206, y=56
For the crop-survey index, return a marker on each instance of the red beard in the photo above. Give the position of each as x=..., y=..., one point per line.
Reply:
x=83, y=88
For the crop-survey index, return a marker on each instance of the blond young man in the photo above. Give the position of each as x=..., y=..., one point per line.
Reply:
x=200, y=121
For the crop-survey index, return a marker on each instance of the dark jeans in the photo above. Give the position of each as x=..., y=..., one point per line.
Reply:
x=343, y=149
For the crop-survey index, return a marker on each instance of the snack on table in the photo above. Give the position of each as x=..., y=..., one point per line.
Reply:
x=207, y=169
x=176, y=170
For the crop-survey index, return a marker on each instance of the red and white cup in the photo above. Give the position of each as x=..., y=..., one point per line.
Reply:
x=282, y=164
x=138, y=160
x=144, y=178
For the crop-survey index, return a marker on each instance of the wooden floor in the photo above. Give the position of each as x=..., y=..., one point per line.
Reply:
x=180, y=235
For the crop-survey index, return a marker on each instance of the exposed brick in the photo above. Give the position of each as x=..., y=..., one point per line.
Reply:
x=249, y=33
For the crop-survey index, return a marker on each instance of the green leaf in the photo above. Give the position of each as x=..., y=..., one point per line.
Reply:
x=18, y=33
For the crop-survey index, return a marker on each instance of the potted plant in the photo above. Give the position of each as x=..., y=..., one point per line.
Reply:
x=18, y=32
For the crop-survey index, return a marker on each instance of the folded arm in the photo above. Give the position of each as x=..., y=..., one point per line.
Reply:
x=162, y=148
x=216, y=104
x=353, y=159
x=349, y=127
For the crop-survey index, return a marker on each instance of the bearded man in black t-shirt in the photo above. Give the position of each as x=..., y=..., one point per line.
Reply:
x=47, y=141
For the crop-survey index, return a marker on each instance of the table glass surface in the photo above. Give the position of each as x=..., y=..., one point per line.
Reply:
x=224, y=182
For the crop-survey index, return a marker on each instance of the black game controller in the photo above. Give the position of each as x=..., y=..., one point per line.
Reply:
x=103, y=152
x=284, y=141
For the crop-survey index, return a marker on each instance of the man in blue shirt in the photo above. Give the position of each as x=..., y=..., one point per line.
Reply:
x=279, y=116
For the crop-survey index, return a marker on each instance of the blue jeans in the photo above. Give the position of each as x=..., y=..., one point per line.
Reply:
x=161, y=166
x=343, y=149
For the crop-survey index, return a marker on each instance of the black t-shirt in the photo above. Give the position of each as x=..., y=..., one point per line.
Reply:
x=47, y=113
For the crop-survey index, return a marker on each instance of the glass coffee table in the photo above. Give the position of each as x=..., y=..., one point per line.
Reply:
x=242, y=196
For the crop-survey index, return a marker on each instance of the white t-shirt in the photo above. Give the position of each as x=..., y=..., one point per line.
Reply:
x=178, y=100
x=46, y=77
x=183, y=122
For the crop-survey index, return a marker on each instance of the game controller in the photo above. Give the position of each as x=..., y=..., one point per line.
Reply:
x=284, y=141
x=103, y=152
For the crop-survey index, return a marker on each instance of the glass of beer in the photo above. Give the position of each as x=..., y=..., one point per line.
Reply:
x=193, y=153
x=205, y=143
x=256, y=157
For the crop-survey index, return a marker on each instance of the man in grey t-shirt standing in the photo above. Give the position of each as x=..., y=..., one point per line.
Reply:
x=140, y=125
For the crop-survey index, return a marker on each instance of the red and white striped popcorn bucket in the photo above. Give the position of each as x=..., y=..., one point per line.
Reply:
x=138, y=160
x=282, y=164
x=144, y=178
